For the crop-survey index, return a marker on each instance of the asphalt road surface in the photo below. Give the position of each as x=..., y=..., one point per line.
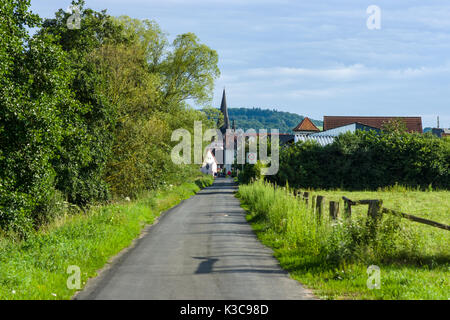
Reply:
x=201, y=249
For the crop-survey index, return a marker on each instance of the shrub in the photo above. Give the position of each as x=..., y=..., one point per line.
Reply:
x=33, y=87
x=367, y=160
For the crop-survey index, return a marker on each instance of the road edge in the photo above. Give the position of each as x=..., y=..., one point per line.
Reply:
x=93, y=282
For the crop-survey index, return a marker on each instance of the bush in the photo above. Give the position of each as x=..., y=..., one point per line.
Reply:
x=367, y=161
x=251, y=172
x=33, y=87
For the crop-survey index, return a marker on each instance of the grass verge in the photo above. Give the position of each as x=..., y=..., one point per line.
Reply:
x=332, y=257
x=36, y=268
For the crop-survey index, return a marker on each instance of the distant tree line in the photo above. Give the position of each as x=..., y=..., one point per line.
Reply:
x=86, y=114
x=257, y=118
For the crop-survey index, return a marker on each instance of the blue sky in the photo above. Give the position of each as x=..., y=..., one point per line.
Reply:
x=312, y=57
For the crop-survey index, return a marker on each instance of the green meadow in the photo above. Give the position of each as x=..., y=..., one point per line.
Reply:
x=332, y=257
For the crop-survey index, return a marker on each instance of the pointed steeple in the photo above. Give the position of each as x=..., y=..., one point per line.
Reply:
x=224, y=110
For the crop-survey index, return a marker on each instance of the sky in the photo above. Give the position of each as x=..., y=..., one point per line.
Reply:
x=312, y=57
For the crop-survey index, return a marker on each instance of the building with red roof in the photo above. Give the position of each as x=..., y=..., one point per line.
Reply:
x=413, y=124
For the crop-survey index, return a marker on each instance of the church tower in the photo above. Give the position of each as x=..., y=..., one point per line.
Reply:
x=228, y=150
x=224, y=110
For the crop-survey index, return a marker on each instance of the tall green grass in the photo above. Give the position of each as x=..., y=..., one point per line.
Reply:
x=36, y=268
x=332, y=256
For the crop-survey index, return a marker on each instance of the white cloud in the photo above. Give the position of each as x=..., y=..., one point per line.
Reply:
x=314, y=54
x=355, y=72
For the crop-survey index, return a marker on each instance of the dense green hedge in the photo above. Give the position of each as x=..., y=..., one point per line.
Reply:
x=367, y=160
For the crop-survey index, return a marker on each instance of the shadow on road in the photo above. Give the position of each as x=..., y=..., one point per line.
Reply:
x=205, y=266
x=206, y=193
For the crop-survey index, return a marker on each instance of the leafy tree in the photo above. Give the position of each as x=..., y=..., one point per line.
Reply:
x=188, y=68
x=96, y=29
x=135, y=83
x=90, y=111
x=82, y=159
x=189, y=71
x=33, y=91
x=149, y=35
x=214, y=115
x=396, y=125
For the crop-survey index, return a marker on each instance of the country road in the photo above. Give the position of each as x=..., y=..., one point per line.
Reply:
x=201, y=249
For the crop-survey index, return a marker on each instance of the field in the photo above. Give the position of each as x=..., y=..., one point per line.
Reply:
x=36, y=268
x=332, y=257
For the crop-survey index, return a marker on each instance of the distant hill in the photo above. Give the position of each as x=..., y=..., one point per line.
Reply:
x=257, y=118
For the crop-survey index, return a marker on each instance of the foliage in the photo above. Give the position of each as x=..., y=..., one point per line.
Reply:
x=396, y=125
x=135, y=78
x=33, y=95
x=36, y=268
x=332, y=256
x=85, y=151
x=256, y=118
x=249, y=173
x=367, y=160
x=87, y=114
x=214, y=115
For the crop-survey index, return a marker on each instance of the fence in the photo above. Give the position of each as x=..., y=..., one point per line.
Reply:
x=375, y=209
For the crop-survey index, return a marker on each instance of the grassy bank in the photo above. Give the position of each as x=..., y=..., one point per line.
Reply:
x=36, y=268
x=332, y=257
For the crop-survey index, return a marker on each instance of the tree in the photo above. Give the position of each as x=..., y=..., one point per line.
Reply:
x=214, y=115
x=134, y=83
x=189, y=71
x=367, y=160
x=33, y=90
x=149, y=36
x=82, y=159
x=86, y=111
x=188, y=68
x=396, y=125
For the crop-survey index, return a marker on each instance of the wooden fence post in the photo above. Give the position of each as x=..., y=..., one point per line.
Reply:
x=313, y=203
x=334, y=209
x=347, y=209
x=306, y=197
x=319, y=207
x=374, y=213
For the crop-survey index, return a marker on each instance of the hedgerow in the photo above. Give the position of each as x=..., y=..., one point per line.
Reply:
x=367, y=161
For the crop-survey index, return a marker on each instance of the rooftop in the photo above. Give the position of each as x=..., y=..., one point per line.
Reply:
x=413, y=124
x=306, y=125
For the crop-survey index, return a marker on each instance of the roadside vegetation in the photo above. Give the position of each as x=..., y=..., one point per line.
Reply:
x=366, y=160
x=86, y=114
x=86, y=118
x=36, y=268
x=332, y=257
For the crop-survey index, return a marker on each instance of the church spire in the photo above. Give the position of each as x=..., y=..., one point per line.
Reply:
x=224, y=110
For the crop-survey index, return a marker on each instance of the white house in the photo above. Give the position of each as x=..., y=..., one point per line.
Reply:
x=209, y=165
